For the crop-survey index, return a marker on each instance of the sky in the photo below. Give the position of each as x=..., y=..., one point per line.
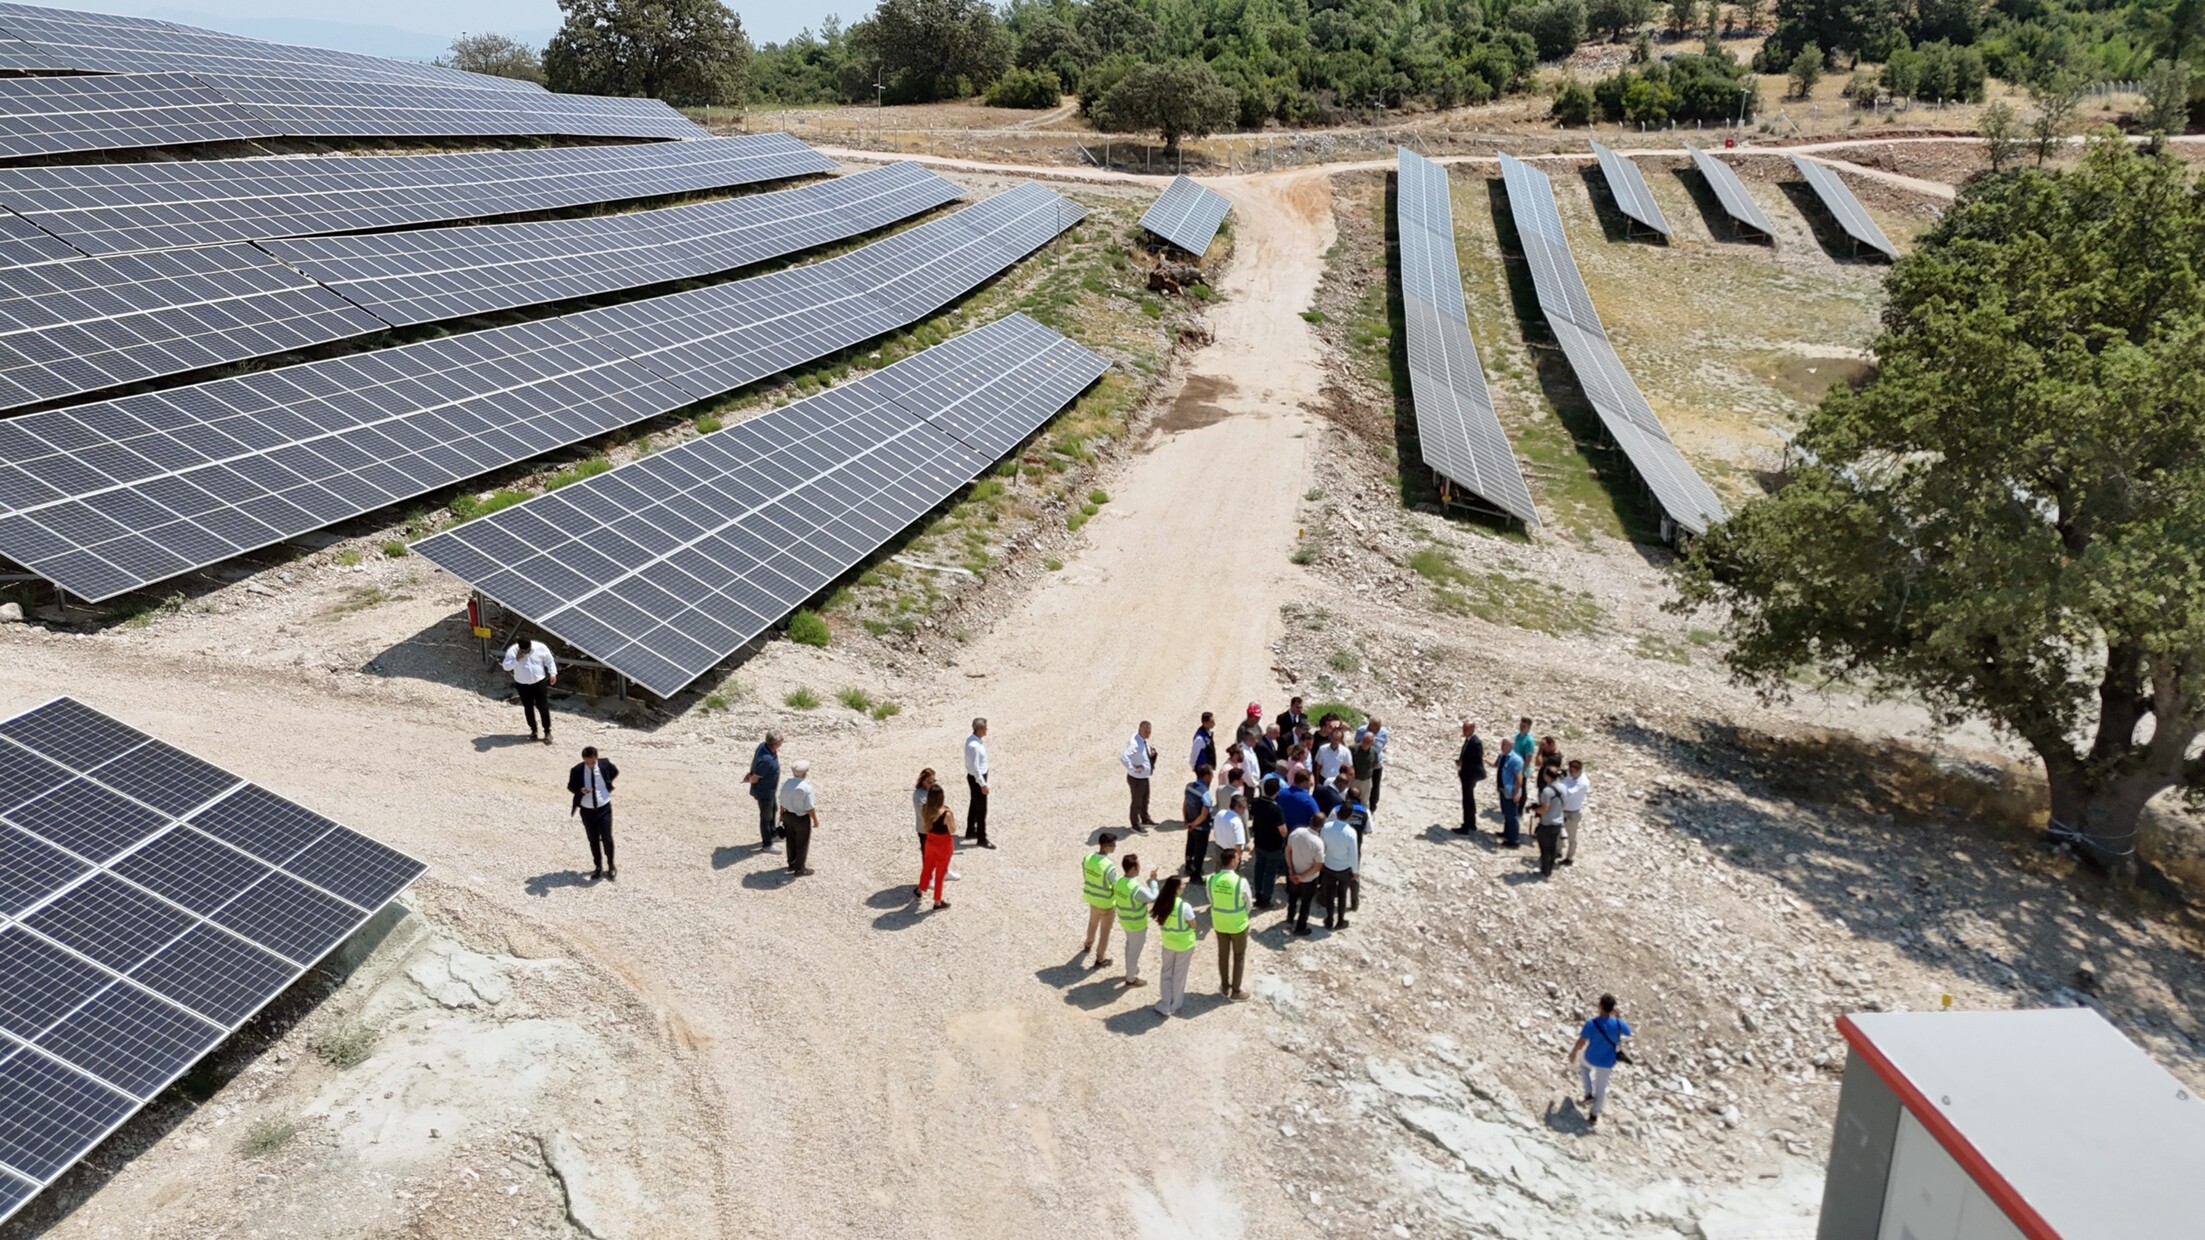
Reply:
x=422, y=28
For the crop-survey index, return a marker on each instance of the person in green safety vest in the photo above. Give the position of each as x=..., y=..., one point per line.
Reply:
x=1230, y=898
x=1133, y=898
x=1098, y=884
x=1175, y=925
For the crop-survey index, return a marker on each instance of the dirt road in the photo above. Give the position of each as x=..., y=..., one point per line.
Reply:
x=886, y=1071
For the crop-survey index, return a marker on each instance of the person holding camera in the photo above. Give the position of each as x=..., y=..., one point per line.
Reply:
x=1599, y=1048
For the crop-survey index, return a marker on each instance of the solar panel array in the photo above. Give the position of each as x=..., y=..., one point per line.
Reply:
x=120, y=208
x=106, y=497
x=1629, y=188
x=1685, y=499
x=1458, y=433
x=73, y=327
x=1730, y=191
x=52, y=116
x=296, y=108
x=37, y=39
x=150, y=904
x=421, y=275
x=1838, y=198
x=664, y=567
x=1187, y=215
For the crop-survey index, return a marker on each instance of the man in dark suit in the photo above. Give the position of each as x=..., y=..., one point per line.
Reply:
x=591, y=783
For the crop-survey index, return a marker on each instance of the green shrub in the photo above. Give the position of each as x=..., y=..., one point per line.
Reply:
x=886, y=710
x=807, y=628
x=1075, y=520
x=801, y=699
x=347, y=1046
x=856, y=699
x=706, y=424
x=1053, y=564
x=578, y=471
x=1026, y=88
x=349, y=557
x=267, y=1136
x=395, y=549
x=468, y=507
x=1098, y=496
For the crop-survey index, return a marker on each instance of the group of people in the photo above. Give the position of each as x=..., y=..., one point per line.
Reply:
x=1529, y=773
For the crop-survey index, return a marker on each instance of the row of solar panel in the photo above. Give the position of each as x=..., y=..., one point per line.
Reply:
x=106, y=497
x=37, y=39
x=1186, y=215
x=60, y=211
x=1459, y=436
x=662, y=568
x=69, y=115
x=1637, y=202
x=150, y=903
x=1685, y=499
x=79, y=326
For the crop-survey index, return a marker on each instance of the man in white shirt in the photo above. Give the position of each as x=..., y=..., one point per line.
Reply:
x=534, y=672
x=1305, y=867
x=1230, y=833
x=1574, y=787
x=1343, y=856
x=1139, y=760
x=799, y=814
x=1332, y=758
x=590, y=783
x=976, y=784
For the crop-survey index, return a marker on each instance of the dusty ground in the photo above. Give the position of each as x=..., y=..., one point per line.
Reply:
x=707, y=1047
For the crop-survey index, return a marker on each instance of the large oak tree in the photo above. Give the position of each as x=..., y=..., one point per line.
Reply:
x=687, y=52
x=2008, y=519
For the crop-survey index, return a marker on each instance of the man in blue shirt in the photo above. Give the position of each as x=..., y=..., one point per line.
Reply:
x=1512, y=799
x=1296, y=805
x=1600, y=1043
x=765, y=785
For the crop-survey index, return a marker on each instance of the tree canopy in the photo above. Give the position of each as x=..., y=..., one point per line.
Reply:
x=494, y=54
x=2008, y=519
x=1177, y=99
x=686, y=52
x=933, y=49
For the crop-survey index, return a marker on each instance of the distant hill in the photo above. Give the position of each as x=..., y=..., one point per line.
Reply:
x=344, y=36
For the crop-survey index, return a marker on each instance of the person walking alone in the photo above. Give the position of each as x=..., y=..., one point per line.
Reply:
x=1175, y=926
x=976, y=784
x=1132, y=897
x=1599, y=1046
x=941, y=839
x=534, y=672
x=1470, y=772
x=1196, y=810
x=1139, y=760
x=1098, y=886
x=1574, y=787
x=799, y=814
x=765, y=781
x=1342, y=857
x=1229, y=901
x=1549, y=830
x=590, y=783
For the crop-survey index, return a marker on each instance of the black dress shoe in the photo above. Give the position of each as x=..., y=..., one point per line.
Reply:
x=612, y=872
x=596, y=874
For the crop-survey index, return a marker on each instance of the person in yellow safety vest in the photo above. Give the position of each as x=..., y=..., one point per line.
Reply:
x=1133, y=899
x=1175, y=925
x=1230, y=896
x=1098, y=887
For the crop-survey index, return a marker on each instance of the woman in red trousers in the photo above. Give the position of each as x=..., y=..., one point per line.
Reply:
x=941, y=837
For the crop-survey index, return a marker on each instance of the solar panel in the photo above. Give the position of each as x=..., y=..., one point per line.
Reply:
x=305, y=108
x=22, y=242
x=106, y=497
x=421, y=275
x=52, y=116
x=1458, y=433
x=46, y=40
x=1187, y=215
x=666, y=566
x=119, y=208
x=1629, y=188
x=73, y=327
x=1685, y=499
x=1838, y=198
x=121, y=969
x=1730, y=191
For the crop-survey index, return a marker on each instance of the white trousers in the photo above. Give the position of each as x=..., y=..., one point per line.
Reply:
x=1135, y=940
x=1596, y=1086
x=1171, y=980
